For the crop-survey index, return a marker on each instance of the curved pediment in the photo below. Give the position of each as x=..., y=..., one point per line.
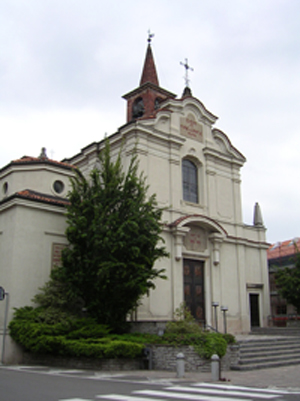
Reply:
x=225, y=146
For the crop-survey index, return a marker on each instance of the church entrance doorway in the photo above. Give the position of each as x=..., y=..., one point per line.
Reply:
x=254, y=310
x=193, y=272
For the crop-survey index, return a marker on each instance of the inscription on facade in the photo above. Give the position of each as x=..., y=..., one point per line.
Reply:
x=56, y=254
x=195, y=240
x=190, y=128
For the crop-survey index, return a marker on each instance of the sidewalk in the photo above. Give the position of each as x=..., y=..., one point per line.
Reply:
x=282, y=377
x=287, y=377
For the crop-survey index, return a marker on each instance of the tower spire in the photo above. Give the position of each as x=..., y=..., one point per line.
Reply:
x=149, y=71
x=145, y=101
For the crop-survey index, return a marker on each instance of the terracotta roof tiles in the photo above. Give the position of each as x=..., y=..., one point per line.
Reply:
x=39, y=197
x=283, y=249
x=30, y=160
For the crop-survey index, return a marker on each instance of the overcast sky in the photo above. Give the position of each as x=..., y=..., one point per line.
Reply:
x=64, y=65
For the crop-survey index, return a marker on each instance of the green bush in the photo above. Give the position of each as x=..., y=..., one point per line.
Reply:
x=214, y=343
x=229, y=338
x=89, y=331
x=184, y=322
x=80, y=337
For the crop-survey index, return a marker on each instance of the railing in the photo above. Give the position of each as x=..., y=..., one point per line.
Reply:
x=284, y=320
x=208, y=327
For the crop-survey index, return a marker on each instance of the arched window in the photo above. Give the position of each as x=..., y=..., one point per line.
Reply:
x=189, y=181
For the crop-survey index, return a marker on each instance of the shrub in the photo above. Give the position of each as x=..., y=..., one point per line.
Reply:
x=83, y=337
x=214, y=343
x=229, y=338
x=89, y=331
x=184, y=322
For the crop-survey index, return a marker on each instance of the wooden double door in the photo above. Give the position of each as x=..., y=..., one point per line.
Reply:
x=193, y=273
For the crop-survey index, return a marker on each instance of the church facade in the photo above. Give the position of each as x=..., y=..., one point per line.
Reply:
x=216, y=261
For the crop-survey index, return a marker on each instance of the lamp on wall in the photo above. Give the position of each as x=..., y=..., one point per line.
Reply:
x=215, y=305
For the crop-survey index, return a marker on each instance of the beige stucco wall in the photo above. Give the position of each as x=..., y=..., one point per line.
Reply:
x=26, y=241
x=161, y=148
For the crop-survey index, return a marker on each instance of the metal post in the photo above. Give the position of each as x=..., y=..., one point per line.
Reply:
x=224, y=309
x=4, y=328
x=180, y=364
x=215, y=368
x=215, y=305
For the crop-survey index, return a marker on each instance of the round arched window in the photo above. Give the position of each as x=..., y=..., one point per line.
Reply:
x=58, y=186
x=189, y=181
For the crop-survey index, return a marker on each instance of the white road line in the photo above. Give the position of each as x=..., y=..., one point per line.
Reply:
x=74, y=399
x=203, y=390
x=230, y=387
x=120, y=397
x=195, y=397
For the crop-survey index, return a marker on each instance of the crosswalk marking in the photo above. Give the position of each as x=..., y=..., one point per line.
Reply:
x=224, y=391
x=228, y=386
x=120, y=397
x=75, y=399
x=198, y=392
x=198, y=397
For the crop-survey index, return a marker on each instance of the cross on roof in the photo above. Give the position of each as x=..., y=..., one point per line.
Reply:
x=150, y=36
x=187, y=68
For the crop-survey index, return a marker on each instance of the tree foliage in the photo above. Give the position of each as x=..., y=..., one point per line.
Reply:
x=288, y=283
x=114, y=230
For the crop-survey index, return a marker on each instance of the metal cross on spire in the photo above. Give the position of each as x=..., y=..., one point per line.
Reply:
x=187, y=68
x=150, y=36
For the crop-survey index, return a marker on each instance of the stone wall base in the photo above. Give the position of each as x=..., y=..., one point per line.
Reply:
x=163, y=357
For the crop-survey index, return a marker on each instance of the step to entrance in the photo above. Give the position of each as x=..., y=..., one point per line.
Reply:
x=268, y=352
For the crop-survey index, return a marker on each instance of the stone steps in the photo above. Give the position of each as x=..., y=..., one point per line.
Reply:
x=278, y=331
x=262, y=353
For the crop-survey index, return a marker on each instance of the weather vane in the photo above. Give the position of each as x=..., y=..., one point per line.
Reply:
x=150, y=36
x=187, y=68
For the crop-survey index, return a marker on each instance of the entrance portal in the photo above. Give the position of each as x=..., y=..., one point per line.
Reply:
x=193, y=272
x=254, y=310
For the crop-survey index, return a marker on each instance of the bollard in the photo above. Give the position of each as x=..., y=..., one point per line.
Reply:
x=180, y=364
x=215, y=366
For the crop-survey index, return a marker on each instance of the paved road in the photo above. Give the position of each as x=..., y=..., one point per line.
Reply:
x=47, y=384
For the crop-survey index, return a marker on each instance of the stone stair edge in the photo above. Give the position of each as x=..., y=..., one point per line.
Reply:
x=282, y=340
x=267, y=359
x=264, y=365
x=255, y=354
x=261, y=347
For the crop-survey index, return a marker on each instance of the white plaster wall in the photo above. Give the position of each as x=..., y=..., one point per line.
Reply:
x=36, y=178
x=26, y=243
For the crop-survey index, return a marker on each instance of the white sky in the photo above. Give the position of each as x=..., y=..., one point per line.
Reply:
x=64, y=65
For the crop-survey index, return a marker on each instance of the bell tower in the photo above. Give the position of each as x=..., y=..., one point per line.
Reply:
x=144, y=101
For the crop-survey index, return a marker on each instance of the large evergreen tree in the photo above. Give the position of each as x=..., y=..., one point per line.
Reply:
x=288, y=283
x=114, y=231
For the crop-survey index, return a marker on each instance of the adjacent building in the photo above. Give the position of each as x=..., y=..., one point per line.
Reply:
x=281, y=255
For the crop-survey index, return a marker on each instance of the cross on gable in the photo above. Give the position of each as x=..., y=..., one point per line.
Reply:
x=187, y=68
